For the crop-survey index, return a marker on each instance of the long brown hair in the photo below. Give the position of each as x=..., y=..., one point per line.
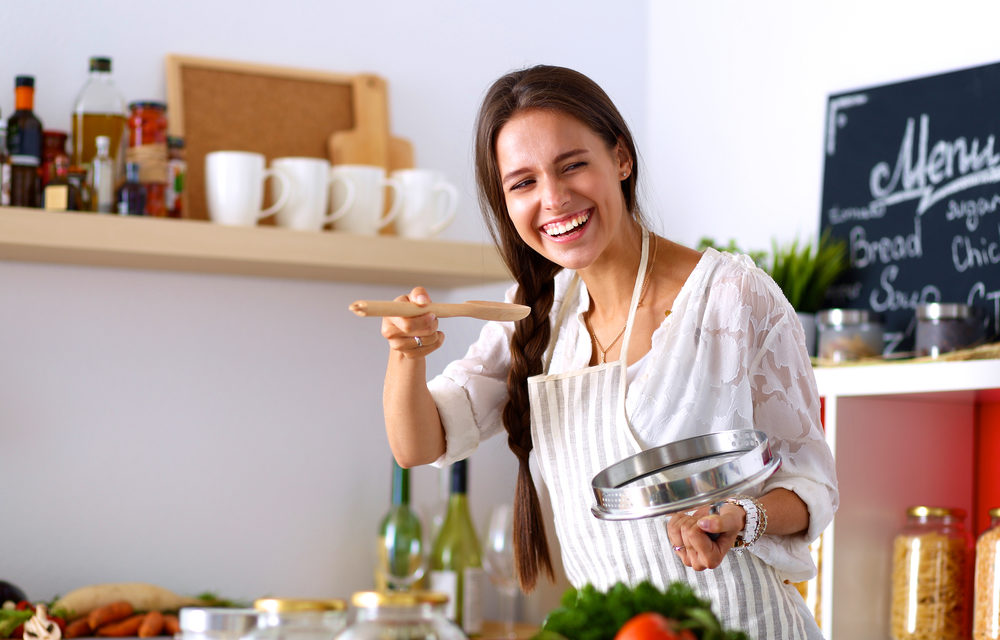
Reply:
x=576, y=95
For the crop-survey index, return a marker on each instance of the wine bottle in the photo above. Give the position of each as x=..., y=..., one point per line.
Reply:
x=400, y=539
x=456, y=560
x=24, y=142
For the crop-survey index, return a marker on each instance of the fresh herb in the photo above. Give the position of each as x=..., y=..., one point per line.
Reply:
x=10, y=619
x=589, y=614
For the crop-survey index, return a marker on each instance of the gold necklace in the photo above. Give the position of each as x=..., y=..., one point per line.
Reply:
x=642, y=294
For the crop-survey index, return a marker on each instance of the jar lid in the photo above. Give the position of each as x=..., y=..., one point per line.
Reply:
x=836, y=317
x=207, y=619
x=943, y=311
x=147, y=104
x=294, y=605
x=369, y=599
x=994, y=513
x=935, y=512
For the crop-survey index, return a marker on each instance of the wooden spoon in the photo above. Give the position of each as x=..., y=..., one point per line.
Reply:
x=480, y=309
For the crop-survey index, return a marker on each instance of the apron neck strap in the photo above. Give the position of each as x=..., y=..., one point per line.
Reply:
x=640, y=277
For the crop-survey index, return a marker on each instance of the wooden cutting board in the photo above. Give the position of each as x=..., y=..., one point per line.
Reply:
x=370, y=141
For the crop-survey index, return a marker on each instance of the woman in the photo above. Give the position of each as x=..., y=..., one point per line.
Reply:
x=633, y=341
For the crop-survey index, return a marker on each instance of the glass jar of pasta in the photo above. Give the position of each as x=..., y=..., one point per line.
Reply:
x=931, y=576
x=986, y=614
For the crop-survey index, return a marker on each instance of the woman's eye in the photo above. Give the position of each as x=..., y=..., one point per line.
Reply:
x=575, y=165
x=520, y=185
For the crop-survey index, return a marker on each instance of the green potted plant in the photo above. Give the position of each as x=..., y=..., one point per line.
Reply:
x=804, y=272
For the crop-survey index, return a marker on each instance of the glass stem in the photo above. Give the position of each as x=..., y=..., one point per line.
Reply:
x=508, y=605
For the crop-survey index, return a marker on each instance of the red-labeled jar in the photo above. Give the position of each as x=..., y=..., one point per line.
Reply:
x=147, y=147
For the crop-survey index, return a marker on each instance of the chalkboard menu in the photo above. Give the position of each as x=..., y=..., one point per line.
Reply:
x=911, y=182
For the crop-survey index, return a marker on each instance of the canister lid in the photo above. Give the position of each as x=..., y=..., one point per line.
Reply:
x=943, y=311
x=207, y=619
x=290, y=605
x=837, y=317
x=100, y=63
x=994, y=513
x=369, y=599
x=147, y=104
x=935, y=512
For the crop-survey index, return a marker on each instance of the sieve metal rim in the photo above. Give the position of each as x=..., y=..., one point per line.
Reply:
x=615, y=500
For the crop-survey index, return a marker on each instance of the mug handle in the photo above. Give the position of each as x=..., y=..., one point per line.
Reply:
x=397, y=201
x=348, y=201
x=450, y=194
x=286, y=189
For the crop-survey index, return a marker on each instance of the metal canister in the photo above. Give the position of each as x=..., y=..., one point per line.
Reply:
x=931, y=574
x=849, y=334
x=944, y=327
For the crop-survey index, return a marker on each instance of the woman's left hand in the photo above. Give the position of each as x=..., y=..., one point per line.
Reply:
x=688, y=534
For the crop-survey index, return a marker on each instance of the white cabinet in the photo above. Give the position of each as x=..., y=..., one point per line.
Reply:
x=903, y=434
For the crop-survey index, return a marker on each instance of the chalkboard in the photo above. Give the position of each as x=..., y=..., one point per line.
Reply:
x=911, y=182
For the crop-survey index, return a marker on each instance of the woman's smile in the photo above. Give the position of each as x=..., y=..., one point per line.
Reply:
x=567, y=228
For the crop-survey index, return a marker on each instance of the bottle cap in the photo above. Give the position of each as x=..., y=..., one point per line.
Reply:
x=24, y=81
x=100, y=63
x=103, y=144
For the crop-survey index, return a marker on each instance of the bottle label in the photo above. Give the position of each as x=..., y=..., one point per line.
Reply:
x=446, y=582
x=22, y=160
x=472, y=600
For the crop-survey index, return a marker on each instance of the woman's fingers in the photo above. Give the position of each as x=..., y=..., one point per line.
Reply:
x=416, y=336
x=688, y=534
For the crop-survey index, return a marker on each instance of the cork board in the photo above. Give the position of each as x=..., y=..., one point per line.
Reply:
x=276, y=111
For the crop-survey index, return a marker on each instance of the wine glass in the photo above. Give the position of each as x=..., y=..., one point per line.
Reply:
x=498, y=560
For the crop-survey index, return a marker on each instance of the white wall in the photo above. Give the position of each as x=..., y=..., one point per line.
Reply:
x=225, y=433
x=737, y=97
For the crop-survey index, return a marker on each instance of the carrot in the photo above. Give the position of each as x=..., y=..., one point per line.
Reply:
x=171, y=624
x=111, y=612
x=152, y=625
x=122, y=628
x=79, y=628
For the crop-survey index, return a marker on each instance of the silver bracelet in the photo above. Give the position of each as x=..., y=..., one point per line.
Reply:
x=755, y=523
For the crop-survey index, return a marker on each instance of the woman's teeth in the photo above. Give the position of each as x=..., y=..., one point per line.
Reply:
x=561, y=228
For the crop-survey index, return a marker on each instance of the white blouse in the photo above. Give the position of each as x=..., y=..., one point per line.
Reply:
x=731, y=355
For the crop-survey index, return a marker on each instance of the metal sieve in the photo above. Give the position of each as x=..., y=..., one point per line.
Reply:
x=683, y=475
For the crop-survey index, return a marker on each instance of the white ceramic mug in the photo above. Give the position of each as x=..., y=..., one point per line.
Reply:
x=429, y=203
x=365, y=215
x=234, y=186
x=307, y=206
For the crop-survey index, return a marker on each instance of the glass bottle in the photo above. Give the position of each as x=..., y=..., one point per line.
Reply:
x=4, y=167
x=102, y=177
x=53, y=146
x=456, y=566
x=986, y=613
x=400, y=615
x=147, y=146
x=931, y=571
x=299, y=619
x=400, y=538
x=131, y=195
x=58, y=194
x=24, y=143
x=79, y=184
x=99, y=110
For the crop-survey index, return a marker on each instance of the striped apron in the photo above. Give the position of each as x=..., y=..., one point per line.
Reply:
x=579, y=426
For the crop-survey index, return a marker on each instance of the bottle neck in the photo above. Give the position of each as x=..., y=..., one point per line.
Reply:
x=400, y=485
x=459, y=477
x=24, y=98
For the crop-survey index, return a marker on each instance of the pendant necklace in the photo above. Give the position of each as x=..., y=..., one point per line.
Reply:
x=602, y=350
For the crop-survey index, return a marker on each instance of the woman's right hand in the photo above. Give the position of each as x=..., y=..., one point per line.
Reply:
x=413, y=337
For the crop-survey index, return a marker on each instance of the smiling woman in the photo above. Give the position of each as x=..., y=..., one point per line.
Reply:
x=632, y=341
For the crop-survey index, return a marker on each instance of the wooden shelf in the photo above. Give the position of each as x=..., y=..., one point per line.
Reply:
x=33, y=235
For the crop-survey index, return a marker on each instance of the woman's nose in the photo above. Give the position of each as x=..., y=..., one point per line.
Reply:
x=554, y=193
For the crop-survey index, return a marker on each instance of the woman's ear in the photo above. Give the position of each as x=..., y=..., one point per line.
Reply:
x=624, y=158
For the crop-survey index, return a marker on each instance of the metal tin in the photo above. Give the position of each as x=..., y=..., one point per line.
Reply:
x=944, y=327
x=683, y=475
x=849, y=334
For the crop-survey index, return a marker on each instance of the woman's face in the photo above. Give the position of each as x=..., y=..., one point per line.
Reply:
x=562, y=185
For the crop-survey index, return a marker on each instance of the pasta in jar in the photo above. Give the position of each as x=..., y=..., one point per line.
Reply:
x=931, y=572
x=986, y=614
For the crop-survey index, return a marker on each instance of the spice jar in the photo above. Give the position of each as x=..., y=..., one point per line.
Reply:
x=299, y=619
x=986, y=613
x=946, y=327
x=400, y=615
x=216, y=623
x=848, y=334
x=147, y=126
x=931, y=571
